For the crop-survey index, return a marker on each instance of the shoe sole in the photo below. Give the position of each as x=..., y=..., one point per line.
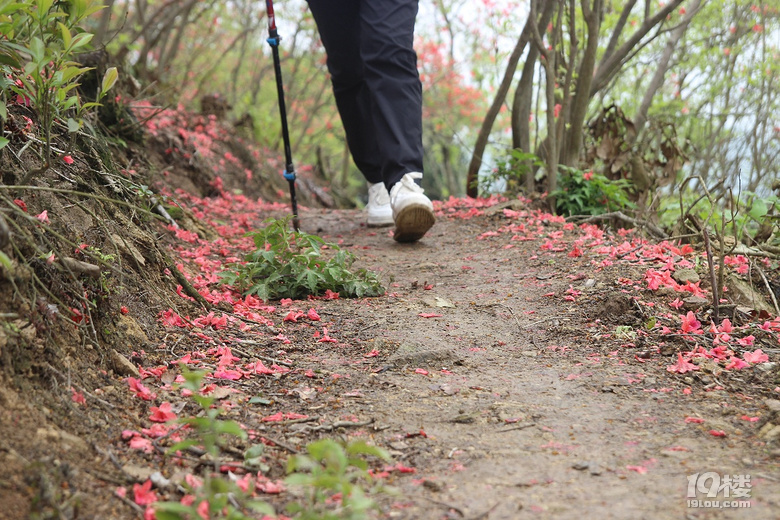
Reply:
x=380, y=222
x=412, y=223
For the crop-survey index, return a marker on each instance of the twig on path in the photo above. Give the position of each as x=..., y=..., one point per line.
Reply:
x=486, y=514
x=521, y=426
x=619, y=215
x=713, y=278
x=337, y=424
x=769, y=289
x=109, y=454
x=188, y=288
x=279, y=443
x=634, y=250
x=449, y=507
x=135, y=507
x=507, y=307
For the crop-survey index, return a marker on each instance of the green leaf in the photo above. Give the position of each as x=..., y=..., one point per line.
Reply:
x=758, y=209
x=109, y=79
x=5, y=261
x=65, y=33
x=81, y=40
x=231, y=428
x=73, y=125
x=255, y=451
x=183, y=445
x=10, y=60
x=3, y=142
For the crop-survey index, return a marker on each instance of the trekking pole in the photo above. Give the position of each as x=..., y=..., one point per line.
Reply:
x=289, y=170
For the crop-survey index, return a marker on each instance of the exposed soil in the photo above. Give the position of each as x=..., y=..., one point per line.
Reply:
x=518, y=367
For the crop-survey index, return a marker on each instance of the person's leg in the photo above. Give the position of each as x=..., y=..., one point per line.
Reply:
x=390, y=72
x=338, y=22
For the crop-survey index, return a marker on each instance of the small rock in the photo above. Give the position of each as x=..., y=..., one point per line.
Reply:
x=529, y=353
x=398, y=445
x=773, y=404
x=122, y=365
x=432, y=485
x=581, y=466
x=685, y=275
x=138, y=473
x=695, y=302
x=770, y=434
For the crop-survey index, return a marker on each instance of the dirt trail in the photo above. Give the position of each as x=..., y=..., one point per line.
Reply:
x=517, y=368
x=526, y=414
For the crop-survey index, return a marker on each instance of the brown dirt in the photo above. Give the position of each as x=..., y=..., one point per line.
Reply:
x=514, y=402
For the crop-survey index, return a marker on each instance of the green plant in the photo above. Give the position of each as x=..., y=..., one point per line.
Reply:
x=224, y=498
x=509, y=174
x=292, y=264
x=38, y=39
x=747, y=218
x=331, y=477
x=209, y=431
x=589, y=193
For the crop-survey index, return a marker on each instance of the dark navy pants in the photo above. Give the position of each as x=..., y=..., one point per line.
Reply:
x=373, y=67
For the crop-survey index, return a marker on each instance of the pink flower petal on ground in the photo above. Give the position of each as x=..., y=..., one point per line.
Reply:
x=143, y=493
x=429, y=315
x=421, y=371
x=373, y=353
x=142, y=444
x=757, y=356
x=312, y=315
x=717, y=433
x=749, y=419
x=138, y=388
x=162, y=413
x=271, y=488
x=639, y=469
x=694, y=420
x=682, y=366
x=77, y=397
x=736, y=364
x=690, y=323
x=67, y=159
x=224, y=373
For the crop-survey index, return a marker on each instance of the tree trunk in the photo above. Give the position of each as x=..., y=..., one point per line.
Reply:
x=663, y=66
x=610, y=65
x=579, y=109
x=472, y=190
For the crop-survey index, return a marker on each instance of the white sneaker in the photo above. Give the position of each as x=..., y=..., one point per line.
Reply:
x=378, y=210
x=412, y=211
